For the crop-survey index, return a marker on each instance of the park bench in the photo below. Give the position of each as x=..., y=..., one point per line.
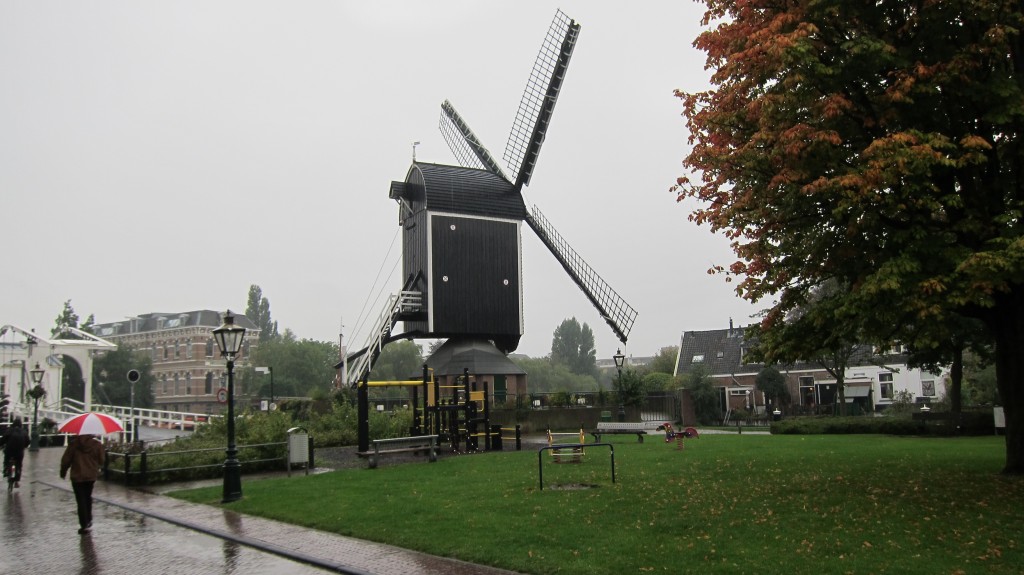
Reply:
x=428, y=443
x=619, y=428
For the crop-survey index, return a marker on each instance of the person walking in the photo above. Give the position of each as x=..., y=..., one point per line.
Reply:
x=14, y=441
x=84, y=457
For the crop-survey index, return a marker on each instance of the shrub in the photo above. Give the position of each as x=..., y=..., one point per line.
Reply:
x=846, y=425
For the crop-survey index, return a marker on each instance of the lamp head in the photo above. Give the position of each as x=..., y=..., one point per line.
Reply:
x=37, y=374
x=619, y=358
x=229, y=336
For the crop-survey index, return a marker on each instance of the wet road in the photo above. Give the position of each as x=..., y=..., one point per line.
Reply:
x=39, y=536
x=142, y=533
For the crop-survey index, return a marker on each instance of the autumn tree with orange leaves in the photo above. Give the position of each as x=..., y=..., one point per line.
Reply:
x=878, y=145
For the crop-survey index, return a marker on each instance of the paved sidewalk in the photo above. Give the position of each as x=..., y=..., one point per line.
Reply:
x=327, y=551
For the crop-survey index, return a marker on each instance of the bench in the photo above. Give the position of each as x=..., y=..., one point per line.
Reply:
x=427, y=443
x=619, y=428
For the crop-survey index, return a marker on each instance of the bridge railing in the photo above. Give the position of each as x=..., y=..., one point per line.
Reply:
x=178, y=420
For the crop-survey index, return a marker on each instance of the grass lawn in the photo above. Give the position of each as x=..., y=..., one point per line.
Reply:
x=725, y=504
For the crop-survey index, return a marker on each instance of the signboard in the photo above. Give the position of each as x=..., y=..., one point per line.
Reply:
x=222, y=395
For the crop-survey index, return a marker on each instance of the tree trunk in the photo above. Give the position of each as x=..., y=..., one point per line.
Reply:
x=1008, y=326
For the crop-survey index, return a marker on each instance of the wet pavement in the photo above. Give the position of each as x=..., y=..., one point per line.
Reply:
x=137, y=532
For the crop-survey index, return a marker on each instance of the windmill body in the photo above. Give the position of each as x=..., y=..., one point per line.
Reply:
x=462, y=228
x=462, y=250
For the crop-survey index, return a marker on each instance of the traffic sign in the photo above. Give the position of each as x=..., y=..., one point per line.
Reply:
x=222, y=395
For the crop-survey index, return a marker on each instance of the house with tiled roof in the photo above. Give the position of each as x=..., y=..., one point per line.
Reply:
x=872, y=381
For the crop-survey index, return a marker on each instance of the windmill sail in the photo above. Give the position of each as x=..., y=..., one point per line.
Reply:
x=539, y=97
x=464, y=144
x=614, y=310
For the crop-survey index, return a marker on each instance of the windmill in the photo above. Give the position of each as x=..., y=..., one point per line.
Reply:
x=462, y=228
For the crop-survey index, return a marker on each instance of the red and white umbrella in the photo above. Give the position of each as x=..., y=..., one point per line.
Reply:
x=91, y=424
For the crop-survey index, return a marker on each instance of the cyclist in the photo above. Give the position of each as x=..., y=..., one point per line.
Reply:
x=14, y=441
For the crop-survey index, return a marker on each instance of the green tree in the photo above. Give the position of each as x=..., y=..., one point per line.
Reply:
x=631, y=387
x=572, y=345
x=948, y=344
x=820, y=330
x=660, y=381
x=65, y=319
x=398, y=361
x=301, y=367
x=110, y=377
x=706, y=405
x=773, y=385
x=665, y=360
x=72, y=379
x=68, y=318
x=874, y=142
x=258, y=311
x=546, y=376
x=979, y=384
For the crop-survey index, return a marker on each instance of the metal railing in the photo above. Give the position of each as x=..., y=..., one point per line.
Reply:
x=398, y=304
x=147, y=467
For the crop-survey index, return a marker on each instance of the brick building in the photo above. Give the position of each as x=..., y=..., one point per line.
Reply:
x=187, y=366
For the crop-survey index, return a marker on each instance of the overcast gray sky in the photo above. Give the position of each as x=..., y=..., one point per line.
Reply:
x=164, y=156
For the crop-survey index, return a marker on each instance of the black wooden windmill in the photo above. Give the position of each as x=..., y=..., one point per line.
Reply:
x=462, y=238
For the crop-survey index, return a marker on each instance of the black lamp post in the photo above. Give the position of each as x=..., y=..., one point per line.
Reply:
x=619, y=360
x=229, y=339
x=36, y=394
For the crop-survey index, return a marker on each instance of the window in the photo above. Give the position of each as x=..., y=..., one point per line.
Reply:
x=720, y=354
x=163, y=381
x=208, y=387
x=177, y=349
x=188, y=383
x=209, y=348
x=698, y=358
x=928, y=387
x=167, y=352
x=885, y=385
x=177, y=387
x=806, y=381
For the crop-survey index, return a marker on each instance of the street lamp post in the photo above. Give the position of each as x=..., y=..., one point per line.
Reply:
x=619, y=360
x=133, y=378
x=36, y=394
x=229, y=339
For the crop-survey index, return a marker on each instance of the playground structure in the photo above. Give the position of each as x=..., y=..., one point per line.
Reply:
x=459, y=415
x=678, y=436
x=567, y=452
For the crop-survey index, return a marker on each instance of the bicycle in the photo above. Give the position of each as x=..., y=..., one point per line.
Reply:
x=11, y=473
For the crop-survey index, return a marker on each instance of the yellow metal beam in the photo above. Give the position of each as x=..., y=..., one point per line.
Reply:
x=396, y=383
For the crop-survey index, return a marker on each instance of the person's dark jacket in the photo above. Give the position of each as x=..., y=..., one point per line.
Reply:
x=14, y=440
x=84, y=456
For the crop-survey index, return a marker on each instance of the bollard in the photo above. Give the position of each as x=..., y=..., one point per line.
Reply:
x=310, y=465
